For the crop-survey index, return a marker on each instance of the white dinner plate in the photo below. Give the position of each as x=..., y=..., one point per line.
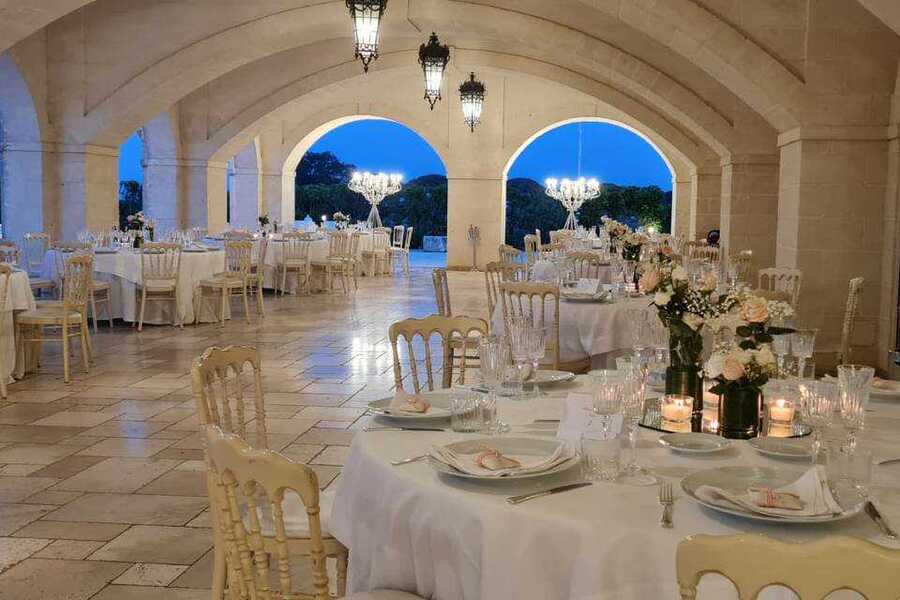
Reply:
x=889, y=391
x=440, y=407
x=106, y=250
x=694, y=443
x=739, y=479
x=781, y=447
x=195, y=250
x=585, y=297
x=509, y=446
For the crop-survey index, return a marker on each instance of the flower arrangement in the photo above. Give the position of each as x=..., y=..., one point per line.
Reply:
x=631, y=245
x=263, y=220
x=614, y=229
x=340, y=219
x=734, y=367
x=138, y=222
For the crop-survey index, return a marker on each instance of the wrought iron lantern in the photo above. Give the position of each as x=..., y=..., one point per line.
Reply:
x=433, y=57
x=366, y=15
x=471, y=94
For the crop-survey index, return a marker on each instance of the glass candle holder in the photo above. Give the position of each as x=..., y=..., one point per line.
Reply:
x=710, y=400
x=676, y=409
x=781, y=411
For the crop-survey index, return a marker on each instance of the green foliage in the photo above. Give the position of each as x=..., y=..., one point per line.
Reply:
x=634, y=206
x=131, y=200
x=529, y=208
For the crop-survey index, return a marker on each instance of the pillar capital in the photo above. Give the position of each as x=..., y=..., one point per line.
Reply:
x=838, y=133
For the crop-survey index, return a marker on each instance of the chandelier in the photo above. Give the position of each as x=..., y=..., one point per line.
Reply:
x=572, y=194
x=366, y=15
x=433, y=57
x=375, y=188
x=471, y=94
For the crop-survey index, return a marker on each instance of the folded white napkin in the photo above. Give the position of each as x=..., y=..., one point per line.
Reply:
x=812, y=489
x=544, y=270
x=408, y=403
x=527, y=463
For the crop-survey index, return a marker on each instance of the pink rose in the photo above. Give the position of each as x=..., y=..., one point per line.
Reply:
x=649, y=281
x=667, y=251
x=732, y=370
x=755, y=310
x=709, y=282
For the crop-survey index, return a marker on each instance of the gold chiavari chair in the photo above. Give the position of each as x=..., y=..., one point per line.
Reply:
x=35, y=246
x=233, y=282
x=160, y=272
x=509, y=254
x=776, y=279
x=371, y=254
x=538, y=305
x=335, y=262
x=5, y=274
x=452, y=332
x=441, y=292
x=9, y=253
x=402, y=252
x=743, y=263
x=258, y=268
x=586, y=265
x=561, y=235
x=811, y=570
x=532, y=248
x=294, y=259
x=397, y=236
x=537, y=234
x=68, y=316
x=496, y=273
x=268, y=510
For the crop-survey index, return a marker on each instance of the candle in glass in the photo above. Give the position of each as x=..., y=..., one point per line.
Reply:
x=710, y=400
x=677, y=408
x=781, y=410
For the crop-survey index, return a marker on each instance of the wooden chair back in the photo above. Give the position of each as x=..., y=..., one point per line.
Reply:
x=532, y=248
x=700, y=250
x=458, y=329
x=9, y=252
x=586, y=265
x=509, y=254
x=336, y=244
x=237, y=234
x=743, y=262
x=441, y=292
x=538, y=305
x=560, y=235
x=537, y=233
x=79, y=275
x=219, y=380
x=160, y=261
x=851, y=311
x=496, y=273
x=238, y=258
x=778, y=279
x=295, y=248
x=397, y=236
x=261, y=252
x=248, y=488
x=812, y=570
x=407, y=241
x=36, y=246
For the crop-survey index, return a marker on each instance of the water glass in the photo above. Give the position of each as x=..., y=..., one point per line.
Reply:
x=855, y=381
x=607, y=401
x=601, y=453
x=819, y=401
x=803, y=342
x=465, y=410
x=781, y=347
x=852, y=468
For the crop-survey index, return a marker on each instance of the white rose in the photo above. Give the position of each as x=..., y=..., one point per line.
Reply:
x=693, y=321
x=661, y=298
x=714, y=365
x=679, y=274
x=765, y=357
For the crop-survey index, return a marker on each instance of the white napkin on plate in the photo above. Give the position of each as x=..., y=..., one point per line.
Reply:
x=528, y=463
x=811, y=487
x=410, y=404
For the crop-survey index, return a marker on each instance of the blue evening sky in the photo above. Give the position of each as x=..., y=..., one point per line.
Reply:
x=610, y=153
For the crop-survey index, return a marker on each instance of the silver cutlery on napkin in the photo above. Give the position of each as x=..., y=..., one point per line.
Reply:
x=666, y=500
x=402, y=429
x=877, y=517
x=406, y=461
x=887, y=461
x=554, y=490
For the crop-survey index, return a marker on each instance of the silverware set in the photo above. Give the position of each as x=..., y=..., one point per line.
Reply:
x=374, y=428
x=667, y=500
x=548, y=492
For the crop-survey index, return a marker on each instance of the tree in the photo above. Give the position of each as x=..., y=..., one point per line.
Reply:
x=322, y=168
x=131, y=200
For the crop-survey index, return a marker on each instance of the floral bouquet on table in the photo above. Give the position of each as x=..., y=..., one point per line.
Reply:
x=341, y=220
x=137, y=221
x=632, y=244
x=742, y=366
x=683, y=308
x=614, y=229
x=263, y=221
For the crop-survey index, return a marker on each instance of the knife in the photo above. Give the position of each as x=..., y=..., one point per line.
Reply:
x=554, y=490
x=402, y=429
x=882, y=523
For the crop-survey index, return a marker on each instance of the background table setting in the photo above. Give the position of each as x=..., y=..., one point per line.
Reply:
x=19, y=297
x=422, y=527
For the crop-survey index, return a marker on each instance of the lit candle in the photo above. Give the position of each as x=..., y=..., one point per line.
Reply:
x=677, y=408
x=781, y=410
x=711, y=419
x=673, y=427
x=710, y=400
x=324, y=219
x=780, y=431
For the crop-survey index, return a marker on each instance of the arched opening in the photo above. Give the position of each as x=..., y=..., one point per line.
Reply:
x=636, y=178
x=376, y=145
x=131, y=176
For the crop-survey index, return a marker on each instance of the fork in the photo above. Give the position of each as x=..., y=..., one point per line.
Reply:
x=406, y=461
x=666, y=500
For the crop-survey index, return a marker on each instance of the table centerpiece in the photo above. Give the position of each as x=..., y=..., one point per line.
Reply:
x=140, y=224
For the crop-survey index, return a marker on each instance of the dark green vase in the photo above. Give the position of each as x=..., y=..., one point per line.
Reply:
x=740, y=413
x=686, y=381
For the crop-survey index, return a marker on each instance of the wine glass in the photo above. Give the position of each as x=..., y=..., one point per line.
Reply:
x=803, y=342
x=536, y=338
x=819, y=402
x=781, y=347
x=607, y=401
x=518, y=332
x=493, y=356
x=633, y=398
x=854, y=395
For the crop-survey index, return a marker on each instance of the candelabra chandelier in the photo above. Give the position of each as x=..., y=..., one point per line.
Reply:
x=375, y=188
x=433, y=57
x=366, y=16
x=471, y=95
x=572, y=194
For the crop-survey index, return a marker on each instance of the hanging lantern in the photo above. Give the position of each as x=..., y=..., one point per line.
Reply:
x=366, y=15
x=433, y=57
x=471, y=94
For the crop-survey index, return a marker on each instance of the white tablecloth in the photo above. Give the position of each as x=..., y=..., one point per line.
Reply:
x=18, y=298
x=409, y=529
x=588, y=329
x=123, y=271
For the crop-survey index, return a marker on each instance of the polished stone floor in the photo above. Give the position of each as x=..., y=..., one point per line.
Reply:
x=102, y=492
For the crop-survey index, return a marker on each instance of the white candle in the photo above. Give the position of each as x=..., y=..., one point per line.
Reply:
x=710, y=400
x=677, y=408
x=781, y=410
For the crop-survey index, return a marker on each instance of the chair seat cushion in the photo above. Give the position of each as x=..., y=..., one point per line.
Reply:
x=383, y=595
x=158, y=286
x=40, y=282
x=296, y=523
x=294, y=262
x=46, y=315
x=223, y=281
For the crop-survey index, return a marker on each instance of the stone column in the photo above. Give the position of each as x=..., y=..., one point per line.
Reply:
x=705, y=200
x=205, y=187
x=83, y=182
x=277, y=184
x=479, y=202
x=25, y=206
x=246, y=189
x=749, y=206
x=831, y=225
x=163, y=196
x=682, y=206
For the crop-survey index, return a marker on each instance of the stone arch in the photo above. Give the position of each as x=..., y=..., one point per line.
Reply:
x=25, y=207
x=680, y=167
x=246, y=189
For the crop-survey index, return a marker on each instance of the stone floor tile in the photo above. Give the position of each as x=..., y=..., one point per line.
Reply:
x=117, y=475
x=150, y=574
x=169, y=545
x=302, y=453
x=332, y=455
x=68, y=549
x=45, y=579
x=14, y=550
x=126, y=429
x=331, y=413
x=34, y=454
x=178, y=483
x=52, y=497
x=132, y=509
x=37, y=435
x=71, y=465
x=331, y=437
x=126, y=447
x=15, y=516
x=71, y=418
x=101, y=532
x=38, y=396
x=19, y=470
x=198, y=575
x=15, y=489
x=128, y=592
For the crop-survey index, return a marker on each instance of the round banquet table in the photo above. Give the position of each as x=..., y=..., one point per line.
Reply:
x=440, y=537
x=122, y=270
x=19, y=297
x=598, y=330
